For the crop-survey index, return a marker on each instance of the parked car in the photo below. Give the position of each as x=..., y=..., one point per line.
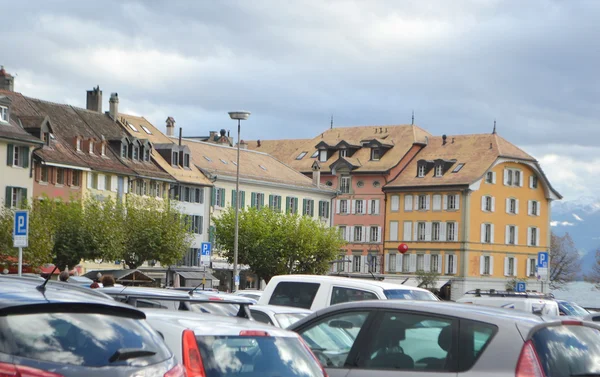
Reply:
x=279, y=316
x=316, y=292
x=52, y=329
x=539, y=306
x=214, y=346
x=250, y=293
x=144, y=297
x=388, y=338
x=569, y=308
x=593, y=317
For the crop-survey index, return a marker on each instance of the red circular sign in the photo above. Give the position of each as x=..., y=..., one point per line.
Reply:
x=403, y=248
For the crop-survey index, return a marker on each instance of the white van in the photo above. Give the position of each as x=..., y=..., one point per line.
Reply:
x=315, y=292
x=537, y=306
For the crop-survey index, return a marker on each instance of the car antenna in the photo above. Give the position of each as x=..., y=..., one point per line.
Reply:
x=42, y=287
x=191, y=291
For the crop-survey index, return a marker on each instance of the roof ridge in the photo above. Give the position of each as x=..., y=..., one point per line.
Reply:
x=218, y=145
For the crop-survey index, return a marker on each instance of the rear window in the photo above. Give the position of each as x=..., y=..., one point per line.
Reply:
x=340, y=295
x=82, y=339
x=298, y=295
x=409, y=294
x=233, y=356
x=568, y=350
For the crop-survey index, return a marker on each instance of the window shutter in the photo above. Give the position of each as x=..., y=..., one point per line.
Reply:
x=428, y=202
x=494, y=177
x=538, y=236
x=312, y=208
x=437, y=202
x=222, y=197
x=377, y=207
x=89, y=179
x=491, y=265
x=507, y=235
x=213, y=196
x=456, y=232
x=352, y=206
x=529, y=237
x=287, y=204
x=505, y=177
x=517, y=206
x=507, y=205
x=304, y=206
x=506, y=272
x=243, y=198
x=427, y=262
x=492, y=233
x=393, y=231
x=378, y=234
x=481, y=265
x=253, y=200
x=427, y=231
x=483, y=203
x=337, y=206
x=368, y=208
x=271, y=201
x=387, y=263
x=528, y=267
x=457, y=201
x=416, y=232
x=296, y=205
x=9, y=154
x=445, y=202
x=24, y=151
x=521, y=179
x=201, y=224
x=363, y=264
x=399, y=262
x=455, y=264
x=8, y=197
x=538, y=209
x=516, y=235
x=364, y=207
x=443, y=231
x=407, y=231
x=529, y=207
x=482, y=233
x=366, y=234
x=233, y=198
x=416, y=202
x=515, y=272
x=493, y=204
x=408, y=203
x=114, y=183
x=413, y=263
x=395, y=206
x=446, y=262
x=530, y=186
x=349, y=233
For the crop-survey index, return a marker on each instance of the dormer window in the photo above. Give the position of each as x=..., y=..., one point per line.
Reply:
x=78, y=144
x=186, y=160
x=323, y=155
x=91, y=147
x=175, y=159
x=375, y=154
x=438, y=170
x=136, y=152
x=46, y=138
x=124, y=150
x=343, y=153
x=147, y=154
x=421, y=171
x=4, y=114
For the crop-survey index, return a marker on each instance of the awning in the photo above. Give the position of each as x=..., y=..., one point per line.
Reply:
x=440, y=283
x=196, y=275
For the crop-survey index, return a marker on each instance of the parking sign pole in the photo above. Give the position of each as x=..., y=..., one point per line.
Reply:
x=20, y=261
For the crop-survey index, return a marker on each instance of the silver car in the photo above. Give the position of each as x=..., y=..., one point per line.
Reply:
x=410, y=338
x=220, y=346
x=278, y=316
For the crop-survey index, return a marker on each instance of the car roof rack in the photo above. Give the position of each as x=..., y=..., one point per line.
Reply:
x=496, y=293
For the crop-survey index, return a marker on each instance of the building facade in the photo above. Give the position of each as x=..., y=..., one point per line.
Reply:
x=475, y=210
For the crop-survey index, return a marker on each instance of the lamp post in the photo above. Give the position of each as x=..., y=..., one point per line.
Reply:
x=239, y=116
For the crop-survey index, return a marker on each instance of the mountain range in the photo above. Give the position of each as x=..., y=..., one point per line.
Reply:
x=580, y=218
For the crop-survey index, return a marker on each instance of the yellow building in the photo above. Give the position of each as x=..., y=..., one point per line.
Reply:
x=475, y=209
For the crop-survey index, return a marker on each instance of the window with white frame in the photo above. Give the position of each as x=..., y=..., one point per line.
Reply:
x=512, y=206
x=374, y=234
x=532, y=266
x=301, y=155
x=534, y=208
x=175, y=159
x=533, y=182
x=392, y=263
x=533, y=236
x=186, y=160
x=91, y=147
x=438, y=170
x=342, y=230
x=420, y=262
x=356, y=265
x=358, y=233
x=359, y=207
x=44, y=174
x=343, y=152
x=345, y=184
x=435, y=231
x=486, y=265
x=487, y=233
x=451, y=231
x=124, y=150
x=512, y=235
x=344, y=206
x=374, y=206
x=421, y=231
x=511, y=267
x=513, y=177
x=487, y=203
x=452, y=202
x=103, y=149
x=3, y=114
x=437, y=202
x=489, y=177
x=375, y=154
x=422, y=202
x=16, y=196
x=136, y=153
x=421, y=171
x=406, y=263
x=395, y=205
x=451, y=264
x=78, y=145
x=435, y=262
x=323, y=155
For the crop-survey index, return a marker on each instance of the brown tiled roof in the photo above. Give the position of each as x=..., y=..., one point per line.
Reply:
x=220, y=160
x=192, y=176
x=476, y=152
x=402, y=137
x=13, y=130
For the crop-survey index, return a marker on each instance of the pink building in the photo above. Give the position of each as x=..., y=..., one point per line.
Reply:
x=358, y=162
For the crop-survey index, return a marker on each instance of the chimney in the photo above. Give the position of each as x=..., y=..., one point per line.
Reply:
x=316, y=173
x=258, y=143
x=7, y=81
x=212, y=135
x=243, y=145
x=114, y=106
x=170, y=126
x=94, y=100
x=180, y=131
x=444, y=137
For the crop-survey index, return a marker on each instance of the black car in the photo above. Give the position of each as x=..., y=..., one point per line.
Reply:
x=52, y=329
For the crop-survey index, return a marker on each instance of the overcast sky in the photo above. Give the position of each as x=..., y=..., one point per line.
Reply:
x=531, y=65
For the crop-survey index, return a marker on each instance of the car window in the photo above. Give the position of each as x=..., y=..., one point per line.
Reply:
x=409, y=294
x=296, y=294
x=232, y=356
x=570, y=308
x=340, y=295
x=332, y=338
x=566, y=351
x=261, y=317
x=474, y=337
x=405, y=341
x=82, y=339
x=287, y=319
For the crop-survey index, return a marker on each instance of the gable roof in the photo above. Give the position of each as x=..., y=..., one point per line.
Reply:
x=220, y=160
x=400, y=137
x=193, y=175
x=13, y=130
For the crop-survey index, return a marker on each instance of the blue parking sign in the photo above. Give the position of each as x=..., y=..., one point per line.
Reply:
x=542, y=260
x=21, y=229
x=204, y=253
x=520, y=287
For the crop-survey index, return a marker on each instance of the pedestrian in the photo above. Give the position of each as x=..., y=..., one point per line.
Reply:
x=64, y=276
x=94, y=285
x=108, y=281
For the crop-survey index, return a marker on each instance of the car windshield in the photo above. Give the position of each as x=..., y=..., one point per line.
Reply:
x=82, y=339
x=287, y=319
x=567, y=351
x=409, y=294
x=249, y=356
x=571, y=308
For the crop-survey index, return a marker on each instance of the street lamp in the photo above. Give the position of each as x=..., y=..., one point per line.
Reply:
x=239, y=116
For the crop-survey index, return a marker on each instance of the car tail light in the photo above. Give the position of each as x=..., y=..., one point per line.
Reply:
x=529, y=363
x=253, y=333
x=177, y=371
x=215, y=299
x=192, y=360
x=10, y=370
x=572, y=323
x=314, y=356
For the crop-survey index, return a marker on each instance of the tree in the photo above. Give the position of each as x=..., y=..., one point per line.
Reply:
x=564, y=261
x=427, y=280
x=274, y=243
x=594, y=276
